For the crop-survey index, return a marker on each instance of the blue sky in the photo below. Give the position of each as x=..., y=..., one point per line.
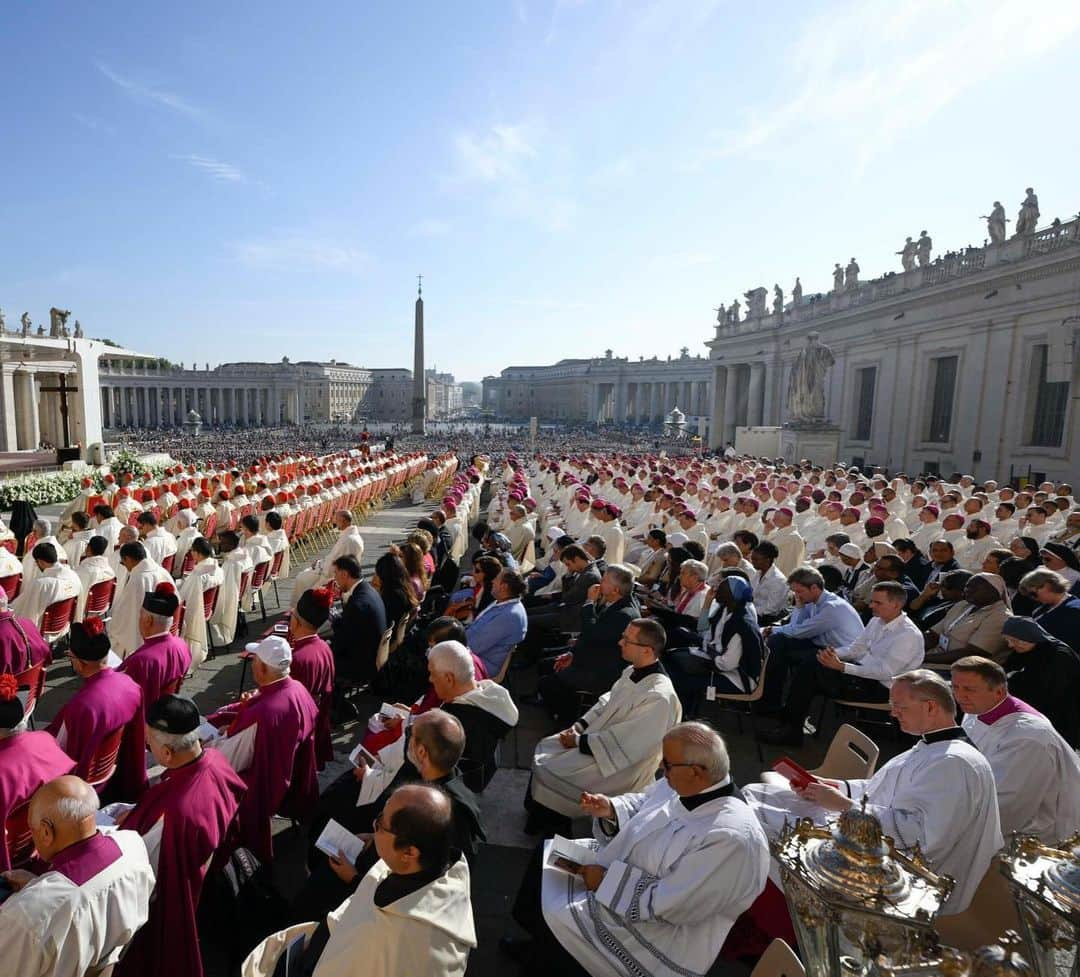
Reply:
x=251, y=180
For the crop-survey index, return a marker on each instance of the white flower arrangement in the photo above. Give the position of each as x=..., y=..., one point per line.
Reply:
x=48, y=488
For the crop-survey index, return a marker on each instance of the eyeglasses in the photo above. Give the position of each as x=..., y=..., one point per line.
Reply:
x=377, y=824
x=667, y=766
x=630, y=641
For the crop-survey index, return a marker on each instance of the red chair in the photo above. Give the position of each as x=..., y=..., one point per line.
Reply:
x=209, y=600
x=11, y=586
x=241, y=617
x=102, y=764
x=211, y=525
x=32, y=679
x=188, y=565
x=56, y=622
x=11, y=545
x=30, y=542
x=133, y=519
x=167, y=563
x=17, y=837
x=275, y=571
x=259, y=575
x=177, y=625
x=99, y=598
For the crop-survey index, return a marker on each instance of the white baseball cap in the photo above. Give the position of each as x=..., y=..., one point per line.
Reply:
x=851, y=550
x=273, y=651
x=554, y=533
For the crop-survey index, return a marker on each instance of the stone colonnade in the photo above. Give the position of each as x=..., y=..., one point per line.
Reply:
x=647, y=402
x=743, y=395
x=154, y=404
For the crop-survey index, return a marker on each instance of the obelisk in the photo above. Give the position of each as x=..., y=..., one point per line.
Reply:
x=419, y=399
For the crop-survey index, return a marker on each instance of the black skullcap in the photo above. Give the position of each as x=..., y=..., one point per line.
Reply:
x=173, y=714
x=162, y=600
x=314, y=606
x=89, y=642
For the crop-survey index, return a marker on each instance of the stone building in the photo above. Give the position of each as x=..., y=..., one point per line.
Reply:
x=610, y=389
x=963, y=363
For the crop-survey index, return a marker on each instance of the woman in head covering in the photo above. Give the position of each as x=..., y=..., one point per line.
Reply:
x=1062, y=559
x=730, y=655
x=1045, y=673
x=1026, y=550
x=972, y=626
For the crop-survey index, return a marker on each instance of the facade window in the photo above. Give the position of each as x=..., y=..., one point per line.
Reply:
x=942, y=387
x=1051, y=403
x=865, y=383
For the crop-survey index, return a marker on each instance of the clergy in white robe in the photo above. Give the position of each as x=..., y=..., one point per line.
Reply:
x=278, y=541
x=76, y=917
x=939, y=795
x=160, y=544
x=75, y=544
x=615, y=747
x=43, y=531
x=235, y=563
x=674, y=868
x=10, y=566
x=258, y=549
x=321, y=573
x=1036, y=772
x=787, y=540
x=93, y=569
x=107, y=525
x=143, y=575
x=55, y=581
x=204, y=575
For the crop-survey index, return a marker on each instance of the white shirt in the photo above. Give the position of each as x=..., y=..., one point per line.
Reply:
x=770, y=591
x=58, y=582
x=884, y=650
x=91, y=571
x=54, y=928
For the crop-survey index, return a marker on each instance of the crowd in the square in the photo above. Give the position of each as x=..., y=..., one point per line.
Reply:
x=642, y=589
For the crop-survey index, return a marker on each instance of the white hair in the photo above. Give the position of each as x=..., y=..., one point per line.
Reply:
x=704, y=746
x=177, y=742
x=453, y=657
x=697, y=568
x=159, y=620
x=3, y=599
x=42, y=526
x=79, y=808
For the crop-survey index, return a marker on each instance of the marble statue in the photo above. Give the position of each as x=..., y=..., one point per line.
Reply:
x=778, y=300
x=78, y=330
x=1029, y=214
x=907, y=254
x=3, y=321
x=806, y=385
x=851, y=275
x=838, y=278
x=755, y=303
x=796, y=292
x=24, y=319
x=720, y=315
x=995, y=223
x=58, y=322
x=41, y=329
x=924, y=246
x=733, y=312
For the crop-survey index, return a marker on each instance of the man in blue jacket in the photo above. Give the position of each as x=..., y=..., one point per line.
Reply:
x=500, y=625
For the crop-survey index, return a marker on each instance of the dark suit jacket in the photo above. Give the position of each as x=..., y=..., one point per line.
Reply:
x=918, y=568
x=575, y=592
x=357, y=633
x=597, y=650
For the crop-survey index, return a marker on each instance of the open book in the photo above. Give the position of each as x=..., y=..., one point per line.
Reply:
x=569, y=854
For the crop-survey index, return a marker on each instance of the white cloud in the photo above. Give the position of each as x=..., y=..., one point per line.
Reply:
x=867, y=72
x=148, y=93
x=521, y=169
x=299, y=252
x=215, y=168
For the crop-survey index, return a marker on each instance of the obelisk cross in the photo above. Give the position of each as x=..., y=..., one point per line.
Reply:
x=419, y=284
x=63, y=389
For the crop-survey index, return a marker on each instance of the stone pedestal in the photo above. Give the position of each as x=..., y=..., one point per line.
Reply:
x=761, y=442
x=819, y=443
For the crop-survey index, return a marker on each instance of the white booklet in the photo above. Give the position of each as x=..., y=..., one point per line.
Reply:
x=208, y=731
x=107, y=815
x=390, y=711
x=569, y=854
x=335, y=838
x=362, y=757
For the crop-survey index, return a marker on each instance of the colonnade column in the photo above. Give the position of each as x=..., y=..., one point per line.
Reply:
x=29, y=432
x=9, y=436
x=755, y=390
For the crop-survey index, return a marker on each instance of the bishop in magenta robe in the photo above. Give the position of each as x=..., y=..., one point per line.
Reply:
x=313, y=663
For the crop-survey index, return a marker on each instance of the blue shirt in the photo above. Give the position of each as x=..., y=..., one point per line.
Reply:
x=497, y=629
x=829, y=621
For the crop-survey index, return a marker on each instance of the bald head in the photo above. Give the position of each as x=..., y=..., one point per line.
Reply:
x=416, y=829
x=61, y=814
x=438, y=741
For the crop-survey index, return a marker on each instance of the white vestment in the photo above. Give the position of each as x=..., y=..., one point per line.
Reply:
x=76, y=546
x=91, y=571
x=615, y=540
x=1037, y=774
x=29, y=565
x=57, y=583
x=348, y=543
x=792, y=549
x=624, y=729
x=676, y=881
x=123, y=625
x=10, y=565
x=937, y=795
x=233, y=567
x=202, y=577
x=279, y=543
x=110, y=529
x=159, y=544
x=54, y=928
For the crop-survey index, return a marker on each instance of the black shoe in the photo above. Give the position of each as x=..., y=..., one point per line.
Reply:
x=517, y=948
x=782, y=736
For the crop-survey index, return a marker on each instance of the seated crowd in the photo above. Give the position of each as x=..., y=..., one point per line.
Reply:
x=640, y=589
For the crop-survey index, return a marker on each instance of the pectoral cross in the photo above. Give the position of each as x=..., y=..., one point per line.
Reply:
x=63, y=389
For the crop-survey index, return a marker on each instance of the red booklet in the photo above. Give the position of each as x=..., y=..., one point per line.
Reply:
x=796, y=775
